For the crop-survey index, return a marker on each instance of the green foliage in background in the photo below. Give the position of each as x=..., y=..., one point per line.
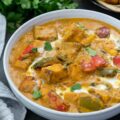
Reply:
x=19, y=11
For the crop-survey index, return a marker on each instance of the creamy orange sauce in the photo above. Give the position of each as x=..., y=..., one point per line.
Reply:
x=74, y=71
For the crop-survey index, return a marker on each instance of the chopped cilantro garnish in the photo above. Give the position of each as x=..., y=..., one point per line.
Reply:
x=37, y=94
x=77, y=86
x=48, y=46
x=34, y=50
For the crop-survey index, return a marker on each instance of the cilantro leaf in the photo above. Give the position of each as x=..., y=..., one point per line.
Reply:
x=77, y=86
x=37, y=94
x=7, y=2
x=35, y=4
x=25, y=4
x=48, y=46
x=34, y=50
x=91, y=51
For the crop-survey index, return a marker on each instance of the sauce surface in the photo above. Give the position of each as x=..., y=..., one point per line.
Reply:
x=69, y=65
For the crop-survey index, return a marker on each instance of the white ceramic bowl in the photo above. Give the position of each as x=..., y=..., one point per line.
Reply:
x=38, y=109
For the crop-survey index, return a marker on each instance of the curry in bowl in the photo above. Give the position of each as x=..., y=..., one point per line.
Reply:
x=69, y=65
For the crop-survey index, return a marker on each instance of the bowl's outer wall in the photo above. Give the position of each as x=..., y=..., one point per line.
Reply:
x=45, y=112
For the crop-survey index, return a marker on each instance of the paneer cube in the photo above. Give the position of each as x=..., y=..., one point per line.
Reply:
x=87, y=41
x=102, y=94
x=20, y=47
x=22, y=64
x=76, y=73
x=27, y=84
x=54, y=73
x=37, y=43
x=84, y=102
x=45, y=33
x=28, y=36
x=68, y=50
x=71, y=97
x=70, y=32
x=115, y=96
x=109, y=47
x=54, y=101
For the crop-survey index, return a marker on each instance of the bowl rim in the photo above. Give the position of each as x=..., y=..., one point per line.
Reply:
x=38, y=106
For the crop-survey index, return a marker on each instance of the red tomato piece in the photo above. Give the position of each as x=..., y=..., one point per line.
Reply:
x=88, y=67
x=95, y=63
x=20, y=58
x=103, y=32
x=56, y=102
x=28, y=49
x=52, y=96
x=116, y=60
x=98, y=61
x=62, y=107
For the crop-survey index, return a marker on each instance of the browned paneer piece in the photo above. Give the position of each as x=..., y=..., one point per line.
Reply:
x=68, y=51
x=28, y=36
x=47, y=33
x=84, y=102
x=78, y=35
x=115, y=96
x=88, y=40
x=24, y=41
x=76, y=73
x=22, y=64
x=56, y=102
x=102, y=94
x=38, y=43
x=26, y=56
x=65, y=30
x=70, y=32
x=71, y=97
x=110, y=47
x=45, y=88
x=27, y=85
x=54, y=73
